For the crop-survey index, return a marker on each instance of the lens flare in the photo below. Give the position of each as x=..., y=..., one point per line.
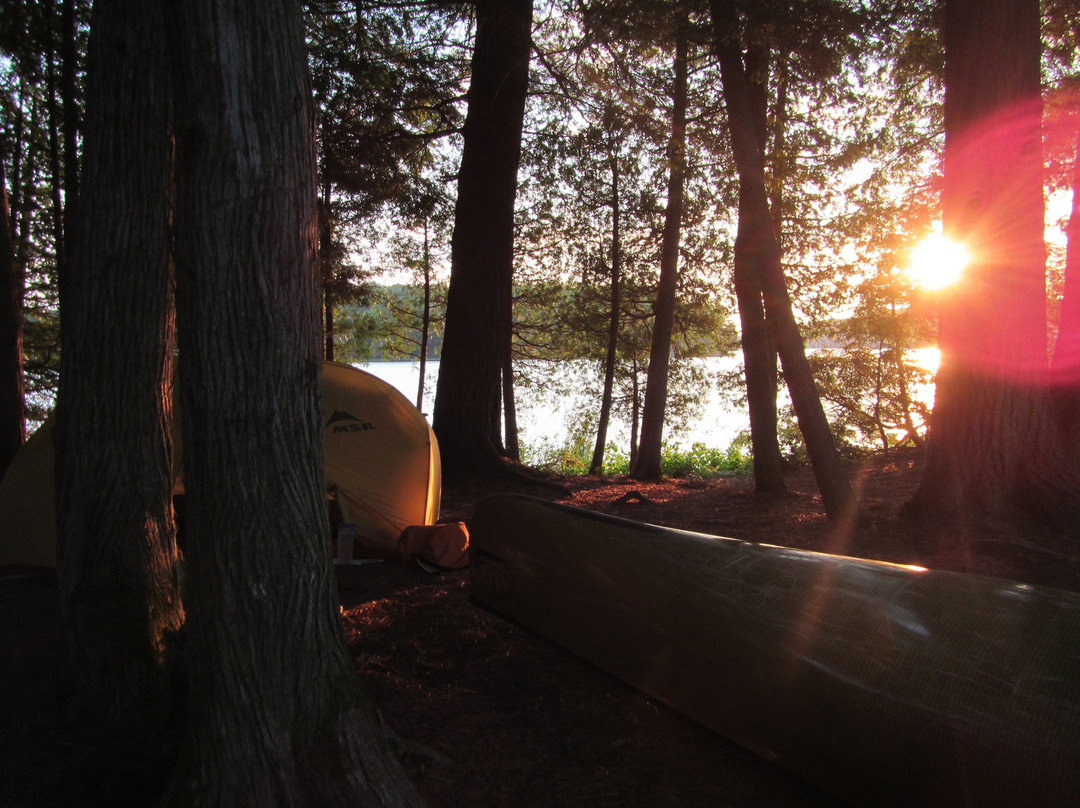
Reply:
x=937, y=262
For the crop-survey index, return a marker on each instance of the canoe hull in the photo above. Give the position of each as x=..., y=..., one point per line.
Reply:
x=885, y=684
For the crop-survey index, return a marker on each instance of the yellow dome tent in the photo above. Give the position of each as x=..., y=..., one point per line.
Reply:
x=382, y=468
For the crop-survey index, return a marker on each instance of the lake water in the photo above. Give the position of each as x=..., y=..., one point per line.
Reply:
x=547, y=414
x=550, y=410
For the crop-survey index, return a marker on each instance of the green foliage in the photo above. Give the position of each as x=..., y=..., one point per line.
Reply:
x=869, y=395
x=677, y=461
x=704, y=461
x=385, y=81
x=387, y=326
x=34, y=143
x=854, y=135
x=356, y=340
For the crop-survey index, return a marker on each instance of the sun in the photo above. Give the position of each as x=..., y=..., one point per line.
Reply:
x=937, y=262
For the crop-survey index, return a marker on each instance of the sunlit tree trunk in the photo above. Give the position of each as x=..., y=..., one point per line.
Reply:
x=477, y=331
x=116, y=555
x=993, y=448
x=275, y=716
x=647, y=464
x=836, y=493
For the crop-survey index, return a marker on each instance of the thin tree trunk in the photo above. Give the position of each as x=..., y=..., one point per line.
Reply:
x=327, y=272
x=836, y=493
x=905, y=402
x=12, y=390
x=328, y=325
x=425, y=320
x=635, y=412
x=117, y=563
x=596, y=466
x=477, y=332
x=510, y=427
x=648, y=461
x=275, y=714
x=879, y=381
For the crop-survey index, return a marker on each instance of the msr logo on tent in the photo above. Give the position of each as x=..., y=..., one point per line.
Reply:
x=344, y=422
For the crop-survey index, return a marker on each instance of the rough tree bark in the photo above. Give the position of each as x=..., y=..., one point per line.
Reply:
x=993, y=448
x=758, y=348
x=836, y=493
x=477, y=330
x=647, y=463
x=117, y=558
x=275, y=715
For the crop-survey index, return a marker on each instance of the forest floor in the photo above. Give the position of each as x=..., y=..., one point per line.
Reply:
x=501, y=716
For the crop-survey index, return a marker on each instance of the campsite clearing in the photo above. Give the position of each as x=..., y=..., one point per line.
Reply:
x=515, y=720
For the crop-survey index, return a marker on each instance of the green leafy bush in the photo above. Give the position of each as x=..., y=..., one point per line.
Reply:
x=676, y=461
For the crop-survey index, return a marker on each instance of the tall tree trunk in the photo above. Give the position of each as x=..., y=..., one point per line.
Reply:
x=116, y=553
x=477, y=332
x=12, y=390
x=993, y=448
x=635, y=411
x=275, y=715
x=759, y=350
x=836, y=493
x=647, y=464
x=596, y=465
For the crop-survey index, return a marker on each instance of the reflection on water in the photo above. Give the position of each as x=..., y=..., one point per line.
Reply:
x=550, y=408
x=926, y=358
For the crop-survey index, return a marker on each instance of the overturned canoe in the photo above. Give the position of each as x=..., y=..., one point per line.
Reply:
x=884, y=684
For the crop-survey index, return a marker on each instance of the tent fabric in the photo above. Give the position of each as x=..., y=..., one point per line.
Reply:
x=27, y=503
x=382, y=458
x=382, y=465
